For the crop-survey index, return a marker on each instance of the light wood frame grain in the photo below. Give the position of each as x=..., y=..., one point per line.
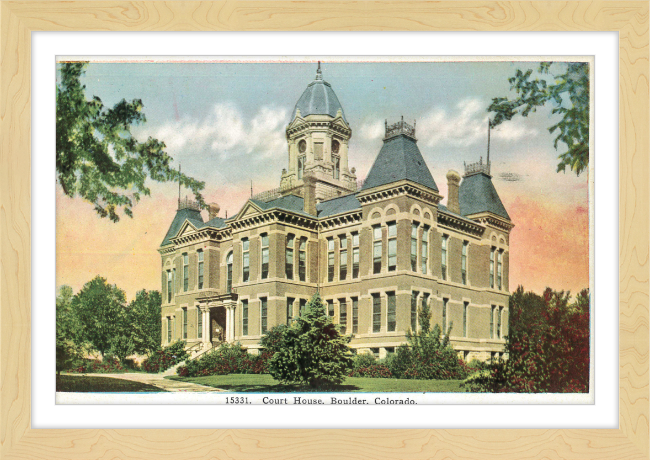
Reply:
x=19, y=19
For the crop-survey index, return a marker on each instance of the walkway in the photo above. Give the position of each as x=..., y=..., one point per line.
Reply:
x=160, y=381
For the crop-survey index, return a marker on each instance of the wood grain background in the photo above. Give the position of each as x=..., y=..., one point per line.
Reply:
x=19, y=19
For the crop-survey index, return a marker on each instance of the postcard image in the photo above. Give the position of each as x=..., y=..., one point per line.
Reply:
x=323, y=230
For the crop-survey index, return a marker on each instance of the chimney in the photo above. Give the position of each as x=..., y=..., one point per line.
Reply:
x=213, y=211
x=309, y=194
x=453, y=181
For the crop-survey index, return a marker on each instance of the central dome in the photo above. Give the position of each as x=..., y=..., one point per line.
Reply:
x=318, y=99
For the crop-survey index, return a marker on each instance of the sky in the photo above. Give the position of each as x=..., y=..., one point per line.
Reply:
x=225, y=124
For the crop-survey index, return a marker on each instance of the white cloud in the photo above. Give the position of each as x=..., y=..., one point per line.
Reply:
x=224, y=131
x=372, y=130
x=466, y=125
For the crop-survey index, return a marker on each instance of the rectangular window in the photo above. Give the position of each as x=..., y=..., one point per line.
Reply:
x=318, y=150
x=169, y=329
x=343, y=258
x=499, y=314
x=499, y=269
x=414, y=310
x=392, y=246
x=170, y=288
x=301, y=167
x=391, y=315
x=492, y=251
x=330, y=308
x=199, y=253
x=376, y=313
x=425, y=301
x=244, y=317
x=302, y=259
x=337, y=167
x=288, y=259
x=199, y=323
x=343, y=315
x=184, y=323
x=463, y=262
x=330, y=259
x=229, y=273
x=290, y=301
x=445, y=239
x=414, y=246
x=375, y=352
x=174, y=285
x=303, y=306
x=445, y=302
x=424, y=260
x=465, y=306
x=376, y=249
x=355, y=255
x=492, y=334
x=263, y=314
x=186, y=272
x=245, y=259
x=265, y=256
x=355, y=315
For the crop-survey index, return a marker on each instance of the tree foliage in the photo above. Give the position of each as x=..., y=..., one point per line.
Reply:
x=312, y=350
x=98, y=158
x=568, y=92
x=69, y=340
x=144, y=321
x=428, y=355
x=548, y=349
x=100, y=308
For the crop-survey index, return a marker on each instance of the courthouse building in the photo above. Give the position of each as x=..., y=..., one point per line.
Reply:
x=376, y=251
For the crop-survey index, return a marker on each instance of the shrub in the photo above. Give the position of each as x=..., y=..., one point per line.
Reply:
x=163, y=359
x=90, y=366
x=363, y=360
x=548, y=346
x=312, y=351
x=226, y=359
x=372, y=371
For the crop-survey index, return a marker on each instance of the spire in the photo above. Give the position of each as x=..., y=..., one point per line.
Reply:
x=319, y=73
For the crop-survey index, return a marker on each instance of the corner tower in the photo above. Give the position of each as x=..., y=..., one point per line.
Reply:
x=318, y=136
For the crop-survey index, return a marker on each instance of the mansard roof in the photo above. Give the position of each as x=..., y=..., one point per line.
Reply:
x=191, y=215
x=291, y=203
x=338, y=205
x=477, y=194
x=399, y=159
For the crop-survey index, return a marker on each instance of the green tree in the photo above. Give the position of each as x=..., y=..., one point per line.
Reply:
x=98, y=158
x=548, y=352
x=121, y=346
x=100, y=308
x=144, y=321
x=312, y=350
x=568, y=92
x=69, y=338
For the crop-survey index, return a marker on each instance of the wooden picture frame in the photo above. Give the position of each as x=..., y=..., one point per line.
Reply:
x=19, y=19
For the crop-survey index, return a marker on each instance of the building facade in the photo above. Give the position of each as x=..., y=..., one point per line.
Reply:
x=375, y=251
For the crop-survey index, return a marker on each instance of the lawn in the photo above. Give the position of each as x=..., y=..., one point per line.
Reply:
x=264, y=383
x=86, y=384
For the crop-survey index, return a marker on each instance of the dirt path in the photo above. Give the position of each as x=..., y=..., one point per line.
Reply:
x=160, y=381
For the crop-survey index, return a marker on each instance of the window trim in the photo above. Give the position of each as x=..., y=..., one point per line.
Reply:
x=289, y=250
x=444, y=262
x=355, y=255
x=264, y=315
x=229, y=271
x=200, y=268
x=246, y=260
x=343, y=254
x=391, y=239
x=415, y=228
x=377, y=247
x=376, y=313
x=391, y=298
x=244, y=317
x=186, y=272
x=199, y=323
x=264, y=251
x=184, y=323
x=464, y=267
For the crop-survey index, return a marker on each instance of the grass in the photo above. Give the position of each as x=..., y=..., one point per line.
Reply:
x=87, y=384
x=264, y=383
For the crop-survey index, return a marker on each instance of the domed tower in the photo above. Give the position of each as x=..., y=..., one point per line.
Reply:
x=318, y=137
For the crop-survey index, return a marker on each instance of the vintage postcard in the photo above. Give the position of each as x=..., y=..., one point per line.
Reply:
x=323, y=230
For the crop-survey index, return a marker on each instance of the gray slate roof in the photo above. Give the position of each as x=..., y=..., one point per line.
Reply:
x=398, y=159
x=477, y=194
x=338, y=205
x=181, y=215
x=291, y=203
x=442, y=208
x=318, y=99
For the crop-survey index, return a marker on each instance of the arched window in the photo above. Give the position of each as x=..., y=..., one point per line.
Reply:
x=229, y=273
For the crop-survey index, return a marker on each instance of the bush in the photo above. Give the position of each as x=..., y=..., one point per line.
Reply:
x=548, y=346
x=226, y=359
x=372, y=371
x=163, y=359
x=363, y=360
x=108, y=365
x=312, y=351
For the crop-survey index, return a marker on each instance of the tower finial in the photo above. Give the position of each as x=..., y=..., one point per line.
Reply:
x=319, y=73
